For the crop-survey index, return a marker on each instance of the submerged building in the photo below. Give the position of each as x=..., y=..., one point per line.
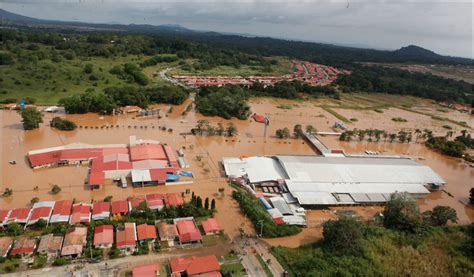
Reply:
x=319, y=180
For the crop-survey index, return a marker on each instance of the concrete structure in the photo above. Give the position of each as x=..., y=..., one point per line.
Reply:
x=340, y=180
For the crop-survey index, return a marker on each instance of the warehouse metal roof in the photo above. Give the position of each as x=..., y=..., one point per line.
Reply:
x=257, y=169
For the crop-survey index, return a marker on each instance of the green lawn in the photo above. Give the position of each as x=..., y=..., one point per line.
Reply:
x=231, y=265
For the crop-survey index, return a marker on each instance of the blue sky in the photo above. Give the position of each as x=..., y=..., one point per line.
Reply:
x=444, y=27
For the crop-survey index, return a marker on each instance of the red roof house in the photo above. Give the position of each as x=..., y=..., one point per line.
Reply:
x=74, y=242
x=188, y=232
x=147, y=151
x=196, y=266
x=173, y=199
x=24, y=247
x=120, y=207
x=4, y=214
x=126, y=239
x=100, y=210
x=41, y=210
x=135, y=201
x=19, y=215
x=146, y=232
x=211, y=227
x=149, y=270
x=104, y=236
x=5, y=245
x=81, y=213
x=155, y=201
x=61, y=212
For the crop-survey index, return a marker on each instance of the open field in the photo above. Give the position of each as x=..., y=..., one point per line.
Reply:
x=207, y=171
x=456, y=72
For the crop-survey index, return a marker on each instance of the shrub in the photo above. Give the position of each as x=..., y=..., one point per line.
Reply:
x=62, y=124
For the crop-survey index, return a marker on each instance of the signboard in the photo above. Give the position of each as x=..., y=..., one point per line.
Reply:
x=22, y=104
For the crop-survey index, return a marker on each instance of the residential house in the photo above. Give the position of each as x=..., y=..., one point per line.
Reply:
x=100, y=210
x=24, y=246
x=50, y=245
x=5, y=245
x=149, y=270
x=74, y=241
x=61, y=212
x=104, y=236
x=187, y=230
x=126, y=239
x=81, y=213
x=211, y=227
x=41, y=210
x=155, y=201
x=195, y=266
x=4, y=214
x=173, y=199
x=19, y=215
x=146, y=232
x=120, y=208
x=168, y=232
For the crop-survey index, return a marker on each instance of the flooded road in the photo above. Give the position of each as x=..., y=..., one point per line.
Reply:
x=203, y=155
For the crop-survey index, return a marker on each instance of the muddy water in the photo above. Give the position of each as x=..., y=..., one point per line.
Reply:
x=208, y=176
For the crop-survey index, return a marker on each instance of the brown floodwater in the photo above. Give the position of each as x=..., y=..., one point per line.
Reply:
x=208, y=176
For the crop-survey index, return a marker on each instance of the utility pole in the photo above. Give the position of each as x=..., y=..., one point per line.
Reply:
x=266, y=122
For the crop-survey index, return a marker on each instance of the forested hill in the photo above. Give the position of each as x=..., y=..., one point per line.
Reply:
x=265, y=46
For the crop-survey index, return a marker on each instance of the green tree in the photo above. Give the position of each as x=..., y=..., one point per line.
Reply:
x=401, y=212
x=14, y=229
x=231, y=130
x=88, y=68
x=7, y=192
x=310, y=129
x=31, y=118
x=34, y=200
x=344, y=236
x=441, y=215
x=282, y=133
x=298, y=131
x=213, y=204
x=206, y=203
x=55, y=189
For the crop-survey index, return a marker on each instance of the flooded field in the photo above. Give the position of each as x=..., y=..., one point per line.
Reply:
x=204, y=153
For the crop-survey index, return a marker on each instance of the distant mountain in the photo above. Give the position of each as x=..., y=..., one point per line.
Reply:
x=266, y=46
x=416, y=51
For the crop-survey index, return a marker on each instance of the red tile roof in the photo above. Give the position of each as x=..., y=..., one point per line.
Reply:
x=40, y=212
x=62, y=207
x=19, y=214
x=135, y=201
x=120, y=206
x=96, y=178
x=174, y=199
x=81, y=213
x=23, y=246
x=196, y=265
x=211, y=226
x=44, y=158
x=146, y=231
x=103, y=234
x=147, y=152
x=100, y=207
x=159, y=174
x=154, y=196
x=187, y=230
x=149, y=270
x=3, y=215
x=128, y=236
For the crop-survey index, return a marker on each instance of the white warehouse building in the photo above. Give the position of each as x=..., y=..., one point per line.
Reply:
x=318, y=180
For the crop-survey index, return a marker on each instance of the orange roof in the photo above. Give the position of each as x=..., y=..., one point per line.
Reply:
x=120, y=206
x=103, y=234
x=210, y=225
x=187, y=230
x=173, y=199
x=62, y=207
x=127, y=237
x=146, y=231
x=147, y=151
x=196, y=265
x=149, y=270
x=23, y=246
